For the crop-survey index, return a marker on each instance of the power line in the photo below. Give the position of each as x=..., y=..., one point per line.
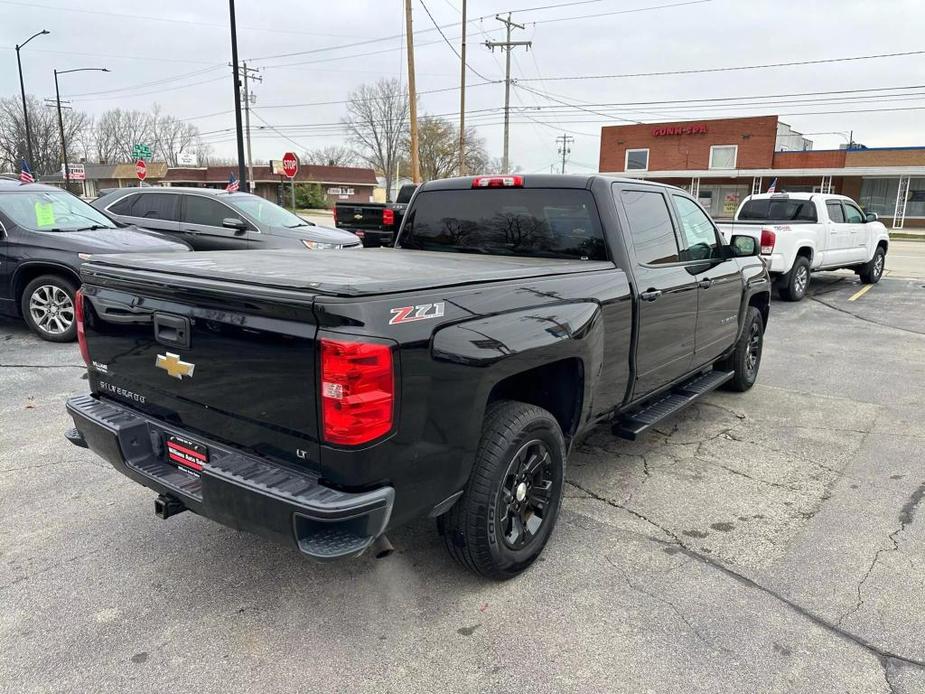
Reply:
x=143, y=85
x=615, y=12
x=725, y=69
x=452, y=47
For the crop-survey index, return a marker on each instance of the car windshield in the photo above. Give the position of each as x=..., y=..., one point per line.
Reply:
x=52, y=211
x=265, y=211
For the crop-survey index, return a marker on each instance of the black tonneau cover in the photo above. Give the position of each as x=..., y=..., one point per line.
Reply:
x=341, y=272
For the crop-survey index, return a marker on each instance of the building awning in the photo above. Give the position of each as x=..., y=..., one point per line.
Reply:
x=869, y=171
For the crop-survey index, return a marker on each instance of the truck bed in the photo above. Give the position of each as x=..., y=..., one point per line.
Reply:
x=339, y=273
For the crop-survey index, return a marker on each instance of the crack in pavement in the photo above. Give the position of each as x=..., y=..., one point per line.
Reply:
x=674, y=608
x=906, y=516
x=881, y=654
x=866, y=320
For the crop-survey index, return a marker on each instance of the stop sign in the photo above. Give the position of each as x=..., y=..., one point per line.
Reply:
x=141, y=169
x=290, y=164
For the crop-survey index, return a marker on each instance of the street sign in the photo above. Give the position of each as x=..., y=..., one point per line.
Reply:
x=187, y=159
x=141, y=169
x=276, y=167
x=140, y=151
x=290, y=164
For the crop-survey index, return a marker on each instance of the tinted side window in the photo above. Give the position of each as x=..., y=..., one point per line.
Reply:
x=835, y=213
x=124, y=206
x=852, y=214
x=778, y=210
x=156, y=206
x=697, y=229
x=202, y=210
x=650, y=226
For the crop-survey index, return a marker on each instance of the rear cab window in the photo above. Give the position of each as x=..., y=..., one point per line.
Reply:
x=651, y=229
x=527, y=222
x=778, y=210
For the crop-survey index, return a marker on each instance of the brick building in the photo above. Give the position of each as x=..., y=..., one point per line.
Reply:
x=352, y=184
x=721, y=161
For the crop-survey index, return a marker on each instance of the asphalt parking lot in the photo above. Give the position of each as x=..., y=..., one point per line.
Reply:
x=769, y=541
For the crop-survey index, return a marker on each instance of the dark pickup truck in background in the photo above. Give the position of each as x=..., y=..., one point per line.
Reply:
x=376, y=223
x=324, y=398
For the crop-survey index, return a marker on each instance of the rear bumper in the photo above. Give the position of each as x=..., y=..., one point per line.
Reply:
x=238, y=490
x=776, y=263
x=372, y=238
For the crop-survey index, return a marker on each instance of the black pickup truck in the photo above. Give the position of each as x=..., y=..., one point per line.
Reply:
x=376, y=223
x=324, y=398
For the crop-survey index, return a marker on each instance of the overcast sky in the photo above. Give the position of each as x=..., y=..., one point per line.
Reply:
x=159, y=42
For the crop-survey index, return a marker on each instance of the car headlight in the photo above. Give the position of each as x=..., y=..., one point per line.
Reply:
x=319, y=245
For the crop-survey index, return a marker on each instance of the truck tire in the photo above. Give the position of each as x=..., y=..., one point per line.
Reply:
x=793, y=285
x=509, y=507
x=746, y=358
x=47, y=305
x=872, y=271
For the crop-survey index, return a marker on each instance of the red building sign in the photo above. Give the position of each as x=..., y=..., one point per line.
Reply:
x=687, y=129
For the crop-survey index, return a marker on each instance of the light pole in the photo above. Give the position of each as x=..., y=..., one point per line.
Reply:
x=22, y=88
x=67, y=172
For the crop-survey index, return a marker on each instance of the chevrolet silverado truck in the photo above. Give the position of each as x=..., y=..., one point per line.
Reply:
x=376, y=223
x=800, y=233
x=325, y=398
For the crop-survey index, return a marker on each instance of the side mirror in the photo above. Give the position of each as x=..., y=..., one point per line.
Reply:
x=871, y=217
x=234, y=223
x=743, y=246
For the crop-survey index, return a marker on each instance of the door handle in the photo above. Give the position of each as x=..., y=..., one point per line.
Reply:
x=705, y=283
x=651, y=295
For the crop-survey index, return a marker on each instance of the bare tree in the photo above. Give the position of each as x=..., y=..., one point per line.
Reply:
x=332, y=155
x=46, y=139
x=377, y=122
x=438, y=147
x=118, y=130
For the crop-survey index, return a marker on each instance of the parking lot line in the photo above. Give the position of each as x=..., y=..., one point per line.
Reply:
x=861, y=292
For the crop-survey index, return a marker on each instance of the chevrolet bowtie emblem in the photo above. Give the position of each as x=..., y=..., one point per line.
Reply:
x=358, y=216
x=174, y=366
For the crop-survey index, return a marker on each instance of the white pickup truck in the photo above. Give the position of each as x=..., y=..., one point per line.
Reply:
x=801, y=233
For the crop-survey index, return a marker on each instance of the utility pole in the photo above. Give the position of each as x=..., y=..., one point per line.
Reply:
x=248, y=100
x=506, y=47
x=564, y=141
x=242, y=172
x=462, y=96
x=22, y=89
x=67, y=172
x=412, y=97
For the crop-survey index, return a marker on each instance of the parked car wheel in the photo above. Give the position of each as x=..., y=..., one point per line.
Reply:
x=794, y=284
x=746, y=358
x=872, y=271
x=48, y=308
x=508, y=510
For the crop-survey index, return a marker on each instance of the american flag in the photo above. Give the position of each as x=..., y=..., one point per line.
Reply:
x=232, y=186
x=25, y=173
x=773, y=186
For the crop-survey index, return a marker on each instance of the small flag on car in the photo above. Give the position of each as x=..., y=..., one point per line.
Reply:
x=25, y=173
x=232, y=186
x=773, y=186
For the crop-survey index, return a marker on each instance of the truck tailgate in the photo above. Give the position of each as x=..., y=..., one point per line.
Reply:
x=181, y=359
x=358, y=216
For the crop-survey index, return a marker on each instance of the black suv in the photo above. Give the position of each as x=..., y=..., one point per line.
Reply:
x=215, y=220
x=45, y=235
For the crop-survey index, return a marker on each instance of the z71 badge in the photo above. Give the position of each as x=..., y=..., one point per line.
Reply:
x=408, y=314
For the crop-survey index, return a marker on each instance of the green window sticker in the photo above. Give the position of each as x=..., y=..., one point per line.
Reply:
x=44, y=214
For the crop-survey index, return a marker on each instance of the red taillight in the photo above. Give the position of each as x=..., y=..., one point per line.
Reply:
x=498, y=182
x=357, y=391
x=81, y=332
x=768, y=239
x=388, y=217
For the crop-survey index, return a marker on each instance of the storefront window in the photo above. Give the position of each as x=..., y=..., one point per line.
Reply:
x=721, y=201
x=915, y=207
x=637, y=160
x=879, y=195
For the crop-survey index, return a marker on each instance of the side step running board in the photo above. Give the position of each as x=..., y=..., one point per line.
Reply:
x=630, y=426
